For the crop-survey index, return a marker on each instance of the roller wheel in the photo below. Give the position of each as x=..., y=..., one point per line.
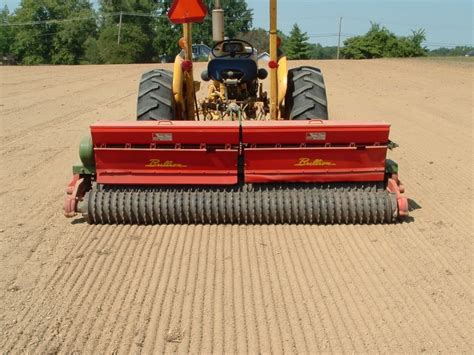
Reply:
x=243, y=204
x=306, y=95
x=155, y=96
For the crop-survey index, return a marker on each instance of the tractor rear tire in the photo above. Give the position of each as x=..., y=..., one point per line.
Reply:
x=155, y=96
x=306, y=95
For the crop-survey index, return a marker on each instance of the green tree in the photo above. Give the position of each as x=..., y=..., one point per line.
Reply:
x=33, y=42
x=165, y=43
x=69, y=43
x=52, y=31
x=91, y=52
x=297, y=45
x=71, y=31
x=138, y=30
x=131, y=48
x=258, y=37
x=238, y=19
x=379, y=42
x=320, y=52
x=458, y=51
x=6, y=32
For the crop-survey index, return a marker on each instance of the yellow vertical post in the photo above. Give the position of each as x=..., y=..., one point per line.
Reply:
x=189, y=78
x=274, y=60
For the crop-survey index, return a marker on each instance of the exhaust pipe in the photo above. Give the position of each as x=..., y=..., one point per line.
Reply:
x=217, y=22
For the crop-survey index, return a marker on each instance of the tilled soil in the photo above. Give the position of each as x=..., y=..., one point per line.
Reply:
x=67, y=286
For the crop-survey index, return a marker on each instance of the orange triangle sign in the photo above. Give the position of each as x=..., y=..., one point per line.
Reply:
x=186, y=11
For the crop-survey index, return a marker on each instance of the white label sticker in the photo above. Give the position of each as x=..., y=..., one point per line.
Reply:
x=162, y=137
x=316, y=136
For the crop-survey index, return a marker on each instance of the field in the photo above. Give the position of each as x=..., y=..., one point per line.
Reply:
x=69, y=287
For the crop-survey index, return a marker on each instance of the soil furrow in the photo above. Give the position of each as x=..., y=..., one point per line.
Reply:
x=107, y=272
x=159, y=294
x=46, y=310
x=109, y=295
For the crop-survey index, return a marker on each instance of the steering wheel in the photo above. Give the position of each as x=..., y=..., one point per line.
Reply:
x=232, y=54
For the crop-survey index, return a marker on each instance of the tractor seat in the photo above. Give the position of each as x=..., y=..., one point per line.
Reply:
x=243, y=69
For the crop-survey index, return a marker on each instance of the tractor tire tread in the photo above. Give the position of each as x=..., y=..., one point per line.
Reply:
x=306, y=96
x=155, y=96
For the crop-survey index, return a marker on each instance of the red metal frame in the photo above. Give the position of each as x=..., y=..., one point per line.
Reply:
x=314, y=151
x=207, y=153
x=74, y=193
x=297, y=132
x=166, y=153
x=395, y=186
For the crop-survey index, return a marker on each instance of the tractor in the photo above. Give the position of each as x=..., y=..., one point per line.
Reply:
x=239, y=155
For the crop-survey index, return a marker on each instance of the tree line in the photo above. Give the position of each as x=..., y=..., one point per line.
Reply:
x=457, y=51
x=117, y=31
x=138, y=31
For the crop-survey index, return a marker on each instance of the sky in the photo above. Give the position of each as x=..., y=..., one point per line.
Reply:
x=447, y=22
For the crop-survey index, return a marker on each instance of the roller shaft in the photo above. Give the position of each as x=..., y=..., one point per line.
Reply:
x=257, y=204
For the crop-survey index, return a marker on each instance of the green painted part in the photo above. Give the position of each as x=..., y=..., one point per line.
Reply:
x=80, y=169
x=391, y=167
x=86, y=152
